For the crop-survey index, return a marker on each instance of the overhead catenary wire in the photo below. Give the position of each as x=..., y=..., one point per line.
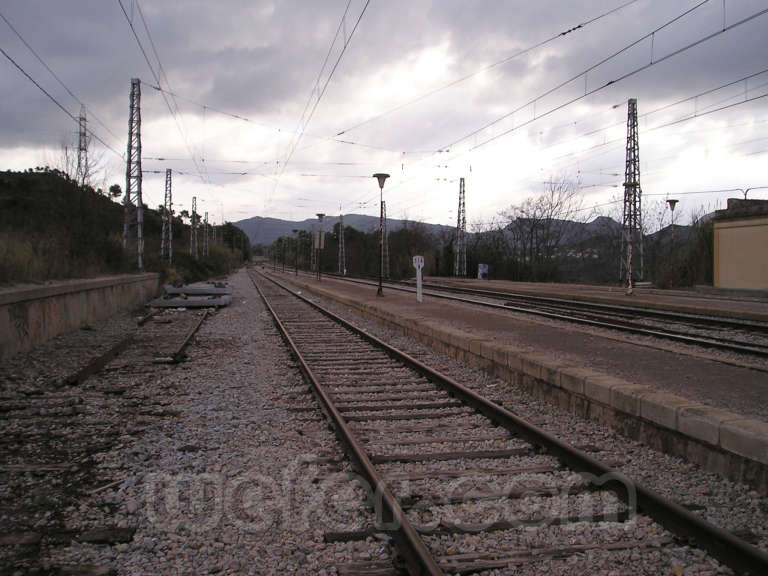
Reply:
x=157, y=79
x=479, y=71
x=54, y=100
x=612, y=82
x=579, y=75
x=56, y=77
x=327, y=81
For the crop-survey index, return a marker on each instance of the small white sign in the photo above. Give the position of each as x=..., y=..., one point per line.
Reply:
x=318, y=240
x=418, y=263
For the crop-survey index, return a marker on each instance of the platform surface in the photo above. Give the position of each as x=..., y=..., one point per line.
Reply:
x=746, y=305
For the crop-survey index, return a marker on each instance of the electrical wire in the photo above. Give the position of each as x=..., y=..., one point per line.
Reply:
x=59, y=104
x=59, y=80
x=609, y=83
x=501, y=62
x=577, y=76
x=157, y=79
x=325, y=85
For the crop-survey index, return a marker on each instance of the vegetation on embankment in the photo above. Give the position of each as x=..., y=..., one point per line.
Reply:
x=51, y=228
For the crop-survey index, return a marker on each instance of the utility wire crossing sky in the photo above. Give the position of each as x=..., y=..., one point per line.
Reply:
x=286, y=109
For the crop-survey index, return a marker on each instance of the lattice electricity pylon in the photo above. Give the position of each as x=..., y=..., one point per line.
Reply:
x=460, y=249
x=132, y=199
x=81, y=174
x=342, y=254
x=385, y=245
x=205, y=235
x=193, y=229
x=632, y=221
x=166, y=236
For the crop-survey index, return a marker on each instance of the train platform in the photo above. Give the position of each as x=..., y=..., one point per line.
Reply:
x=706, y=410
x=744, y=304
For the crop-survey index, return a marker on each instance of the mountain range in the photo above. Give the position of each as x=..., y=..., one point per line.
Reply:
x=265, y=231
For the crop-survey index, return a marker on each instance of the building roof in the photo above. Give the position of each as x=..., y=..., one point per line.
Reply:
x=740, y=208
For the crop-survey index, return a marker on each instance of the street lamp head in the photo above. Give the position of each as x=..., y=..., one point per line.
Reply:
x=320, y=216
x=672, y=202
x=381, y=177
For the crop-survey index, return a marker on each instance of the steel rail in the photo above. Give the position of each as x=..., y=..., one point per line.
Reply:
x=720, y=543
x=417, y=557
x=569, y=302
x=590, y=306
x=673, y=336
x=96, y=364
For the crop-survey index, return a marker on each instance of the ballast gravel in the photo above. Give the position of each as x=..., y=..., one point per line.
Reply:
x=237, y=473
x=731, y=505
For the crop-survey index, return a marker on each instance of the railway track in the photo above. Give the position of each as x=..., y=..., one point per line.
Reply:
x=718, y=333
x=463, y=485
x=57, y=419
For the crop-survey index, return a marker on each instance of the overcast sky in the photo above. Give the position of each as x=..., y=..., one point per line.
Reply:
x=263, y=61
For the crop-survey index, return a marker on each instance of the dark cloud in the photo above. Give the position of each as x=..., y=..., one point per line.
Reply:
x=260, y=60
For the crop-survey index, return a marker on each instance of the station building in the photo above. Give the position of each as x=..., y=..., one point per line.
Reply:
x=741, y=245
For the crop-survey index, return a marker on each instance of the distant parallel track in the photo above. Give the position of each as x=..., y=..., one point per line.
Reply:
x=604, y=316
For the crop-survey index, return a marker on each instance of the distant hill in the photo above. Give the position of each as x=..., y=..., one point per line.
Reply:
x=265, y=231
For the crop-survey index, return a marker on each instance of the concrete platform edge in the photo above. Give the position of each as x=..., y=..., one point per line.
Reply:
x=30, y=316
x=720, y=441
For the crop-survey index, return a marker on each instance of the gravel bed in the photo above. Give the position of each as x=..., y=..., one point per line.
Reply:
x=462, y=444
x=518, y=510
x=224, y=466
x=479, y=463
x=728, y=504
x=667, y=559
x=29, y=373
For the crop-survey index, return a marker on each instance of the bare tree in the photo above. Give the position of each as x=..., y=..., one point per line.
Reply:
x=540, y=225
x=66, y=161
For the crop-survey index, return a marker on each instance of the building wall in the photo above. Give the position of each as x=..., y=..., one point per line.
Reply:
x=741, y=254
x=31, y=315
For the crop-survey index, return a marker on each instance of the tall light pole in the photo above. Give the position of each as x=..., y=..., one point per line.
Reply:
x=672, y=202
x=295, y=252
x=319, y=245
x=381, y=177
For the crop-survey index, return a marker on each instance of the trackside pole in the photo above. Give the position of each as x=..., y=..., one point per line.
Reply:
x=418, y=263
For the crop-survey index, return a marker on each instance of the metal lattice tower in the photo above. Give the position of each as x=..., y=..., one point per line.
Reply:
x=205, y=235
x=166, y=236
x=132, y=199
x=632, y=221
x=385, y=245
x=342, y=254
x=460, y=263
x=193, y=229
x=82, y=148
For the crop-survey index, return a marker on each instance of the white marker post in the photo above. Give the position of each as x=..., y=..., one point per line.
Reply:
x=418, y=263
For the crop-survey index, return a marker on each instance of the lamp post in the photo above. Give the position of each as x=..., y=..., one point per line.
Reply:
x=295, y=253
x=319, y=245
x=381, y=177
x=672, y=202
